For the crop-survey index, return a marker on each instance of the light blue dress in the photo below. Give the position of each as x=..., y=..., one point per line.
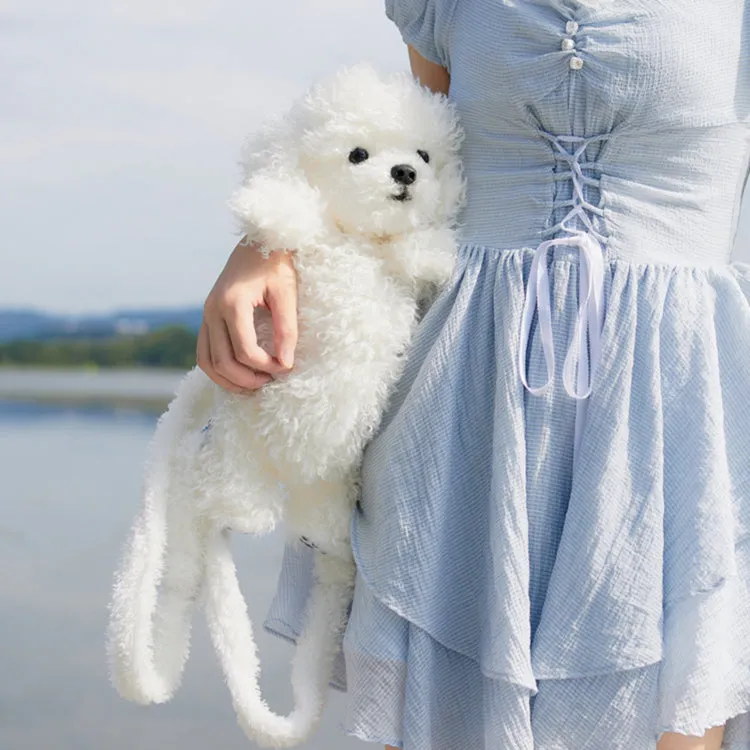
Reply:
x=537, y=570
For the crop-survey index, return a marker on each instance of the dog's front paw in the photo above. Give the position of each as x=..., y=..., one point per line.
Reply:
x=442, y=268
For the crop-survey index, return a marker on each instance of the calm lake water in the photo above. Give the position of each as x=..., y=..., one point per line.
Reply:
x=70, y=490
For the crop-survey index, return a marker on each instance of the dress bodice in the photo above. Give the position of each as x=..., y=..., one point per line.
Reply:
x=662, y=98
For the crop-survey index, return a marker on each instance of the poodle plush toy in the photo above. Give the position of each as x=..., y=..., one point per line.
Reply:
x=361, y=181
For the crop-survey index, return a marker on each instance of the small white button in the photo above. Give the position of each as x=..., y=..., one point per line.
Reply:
x=571, y=27
x=567, y=44
x=575, y=63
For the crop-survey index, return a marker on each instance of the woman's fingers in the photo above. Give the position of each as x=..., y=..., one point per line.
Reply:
x=244, y=340
x=281, y=299
x=203, y=353
x=224, y=362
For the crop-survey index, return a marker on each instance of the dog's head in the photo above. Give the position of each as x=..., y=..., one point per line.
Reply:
x=360, y=154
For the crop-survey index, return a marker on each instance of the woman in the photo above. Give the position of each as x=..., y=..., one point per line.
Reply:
x=553, y=540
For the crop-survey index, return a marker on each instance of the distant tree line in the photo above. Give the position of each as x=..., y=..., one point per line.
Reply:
x=172, y=346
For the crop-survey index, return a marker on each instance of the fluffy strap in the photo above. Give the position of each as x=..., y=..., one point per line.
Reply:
x=234, y=640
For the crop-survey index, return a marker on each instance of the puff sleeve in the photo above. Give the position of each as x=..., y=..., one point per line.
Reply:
x=425, y=25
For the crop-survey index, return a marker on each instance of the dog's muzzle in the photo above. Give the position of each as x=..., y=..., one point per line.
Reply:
x=404, y=195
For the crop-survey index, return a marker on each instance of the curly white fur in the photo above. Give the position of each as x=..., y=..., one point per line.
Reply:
x=369, y=246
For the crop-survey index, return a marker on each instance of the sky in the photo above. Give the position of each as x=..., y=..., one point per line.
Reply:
x=121, y=123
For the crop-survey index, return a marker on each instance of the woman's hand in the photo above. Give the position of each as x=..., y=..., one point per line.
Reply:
x=228, y=350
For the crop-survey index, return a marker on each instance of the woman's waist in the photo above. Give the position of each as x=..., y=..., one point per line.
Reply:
x=628, y=227
x=565, y=246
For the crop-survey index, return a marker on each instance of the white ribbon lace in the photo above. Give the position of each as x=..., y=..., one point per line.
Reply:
x=590, y=317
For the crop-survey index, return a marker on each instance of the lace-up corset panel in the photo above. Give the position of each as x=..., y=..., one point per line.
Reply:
x=659, y=167
x=590, y=245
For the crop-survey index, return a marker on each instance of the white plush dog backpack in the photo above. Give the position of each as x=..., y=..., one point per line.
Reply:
x=362, y=181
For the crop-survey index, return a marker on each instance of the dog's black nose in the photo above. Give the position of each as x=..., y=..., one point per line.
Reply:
x=404, y=174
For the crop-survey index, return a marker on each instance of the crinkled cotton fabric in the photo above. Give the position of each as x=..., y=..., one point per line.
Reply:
x=536, y=571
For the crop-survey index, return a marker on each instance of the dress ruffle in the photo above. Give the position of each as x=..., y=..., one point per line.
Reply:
x=511, y=594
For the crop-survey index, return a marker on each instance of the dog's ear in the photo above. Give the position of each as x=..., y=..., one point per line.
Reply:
x=452, y=190
x=437, y=119
x=276, y=205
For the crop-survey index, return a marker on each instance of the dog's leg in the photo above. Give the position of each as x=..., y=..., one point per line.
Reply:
x=317, y=646
x=428, y=257
x=130, y=638
x=154, y=600
x=233, y=638
x=184, y=569
x=131, y=644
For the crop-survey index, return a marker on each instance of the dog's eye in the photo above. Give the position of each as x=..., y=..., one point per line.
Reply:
x=424, y=155
x=358, y=155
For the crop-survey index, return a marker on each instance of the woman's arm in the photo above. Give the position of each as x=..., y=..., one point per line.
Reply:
x=428, y=73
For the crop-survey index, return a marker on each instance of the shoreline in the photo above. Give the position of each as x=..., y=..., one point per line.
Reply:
x=148, y=389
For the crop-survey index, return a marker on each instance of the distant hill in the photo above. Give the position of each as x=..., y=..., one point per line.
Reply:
x=35, y=325
x=170, y=346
